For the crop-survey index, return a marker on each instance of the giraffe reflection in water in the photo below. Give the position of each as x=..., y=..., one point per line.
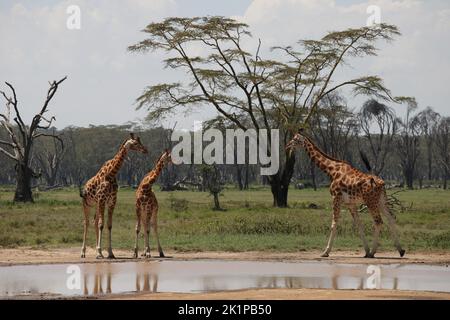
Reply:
x=108, y=278
x=340, y=279
x=101, y=279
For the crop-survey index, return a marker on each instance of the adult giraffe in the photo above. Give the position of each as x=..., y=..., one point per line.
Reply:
x=351, y=187
x=101, y=190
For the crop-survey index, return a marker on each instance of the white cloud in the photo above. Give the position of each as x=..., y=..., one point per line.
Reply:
x=416, y=64
x=104, y=79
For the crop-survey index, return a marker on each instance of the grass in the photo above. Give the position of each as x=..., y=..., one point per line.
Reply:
x=187, y=222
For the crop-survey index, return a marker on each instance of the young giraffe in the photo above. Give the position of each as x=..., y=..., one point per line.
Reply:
x=147, y=205
x=351, y=187
x=101, y=190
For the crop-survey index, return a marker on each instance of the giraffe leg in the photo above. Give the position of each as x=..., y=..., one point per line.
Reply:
x=147, y=236
x=392, y=226
x=360, y=227
x=100, y=219
x=97, y=234
x=336, y=213
x=378, y=223
x=85, y=227
x=138, y=282
x=138, y=229
x=110, y=216
x=154, y=224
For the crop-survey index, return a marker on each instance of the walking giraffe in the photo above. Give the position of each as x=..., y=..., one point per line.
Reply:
x=147, y=206
x=101, y=191
x=351, y=187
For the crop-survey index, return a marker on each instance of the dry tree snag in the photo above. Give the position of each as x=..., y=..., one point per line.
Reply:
x=19, y=145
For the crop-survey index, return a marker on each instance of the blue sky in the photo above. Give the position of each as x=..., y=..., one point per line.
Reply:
x=104, y=79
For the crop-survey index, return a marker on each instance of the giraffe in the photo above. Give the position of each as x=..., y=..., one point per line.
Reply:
x=101, y=191
x=351, y=187
x=147, y=205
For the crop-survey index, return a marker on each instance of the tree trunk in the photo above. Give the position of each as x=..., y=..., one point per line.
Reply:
x=430, y=164
x=280, y=182
x=216, y=202
x=409, y=178
x=445, y=179
x=246, y=177
x=23, y=186
x=239, y=176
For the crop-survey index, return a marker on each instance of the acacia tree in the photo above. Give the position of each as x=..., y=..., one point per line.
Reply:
x=213, y=181
x=408, y=141
x=427, y=121
x=281, y=93
x=378, y=116
x=334, y=127
x=442, y=139
x=19, y=144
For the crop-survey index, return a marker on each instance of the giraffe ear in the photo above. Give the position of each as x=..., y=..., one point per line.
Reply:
x=132, y=135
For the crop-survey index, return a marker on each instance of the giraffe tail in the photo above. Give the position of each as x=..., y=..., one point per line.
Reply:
x=365, y=160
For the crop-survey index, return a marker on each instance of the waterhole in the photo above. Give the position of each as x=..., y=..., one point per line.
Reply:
x=211, y=275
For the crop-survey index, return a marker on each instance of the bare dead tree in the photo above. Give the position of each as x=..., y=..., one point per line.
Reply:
x=19, y=145
x=49, y=160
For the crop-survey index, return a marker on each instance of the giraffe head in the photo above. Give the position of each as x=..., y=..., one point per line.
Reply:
x=134, y=143
x=297, y=141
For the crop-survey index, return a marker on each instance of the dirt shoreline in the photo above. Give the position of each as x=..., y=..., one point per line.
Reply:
x=28, y=256
x=289, y=294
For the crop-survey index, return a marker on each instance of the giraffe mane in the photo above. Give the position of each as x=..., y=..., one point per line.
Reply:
x=323, y=153
x=159, y=158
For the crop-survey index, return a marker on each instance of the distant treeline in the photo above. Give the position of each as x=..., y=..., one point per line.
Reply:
x=413, y=152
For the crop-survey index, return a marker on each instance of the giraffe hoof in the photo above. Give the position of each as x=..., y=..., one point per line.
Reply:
x=324, y=255
x=83, y=255
x=402, y=253
x=161, y=255
x=370, y=255
x=99, y=256
x=111, y=256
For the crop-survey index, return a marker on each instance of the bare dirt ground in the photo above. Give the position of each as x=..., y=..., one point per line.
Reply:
x=72, y=255
x=290, y=294
x=21, y=256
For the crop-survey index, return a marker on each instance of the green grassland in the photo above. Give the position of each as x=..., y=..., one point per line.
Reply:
x=187, y=222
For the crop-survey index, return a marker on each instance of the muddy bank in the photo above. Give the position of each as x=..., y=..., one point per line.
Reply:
x=23, y=256
x=289, y=294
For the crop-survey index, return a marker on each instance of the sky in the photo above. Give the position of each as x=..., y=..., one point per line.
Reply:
x=104, y=79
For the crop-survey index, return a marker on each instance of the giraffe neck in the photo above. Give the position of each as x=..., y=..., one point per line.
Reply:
x=117, y=162
x=154, y=174
x=322, y=160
